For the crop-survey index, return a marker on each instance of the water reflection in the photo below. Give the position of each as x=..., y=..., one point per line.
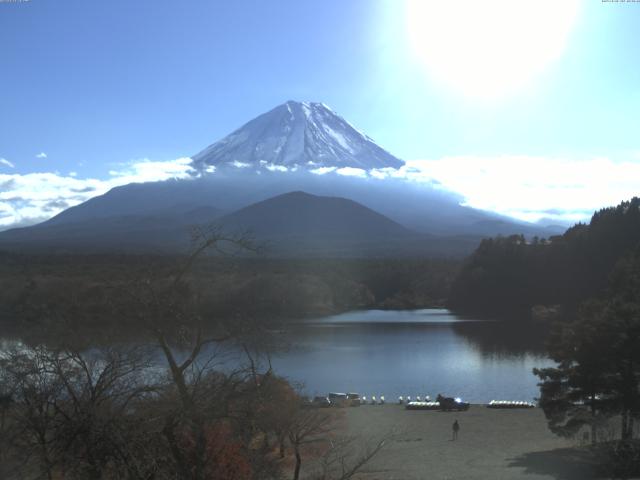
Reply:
x=413, y=353
x=395, y=353
x=504, y=338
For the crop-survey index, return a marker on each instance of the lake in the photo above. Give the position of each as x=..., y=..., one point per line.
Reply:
x=406, y=352
x=418, y=352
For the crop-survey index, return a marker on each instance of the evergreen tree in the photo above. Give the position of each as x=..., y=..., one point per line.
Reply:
x=506, y=276
x=598, y=355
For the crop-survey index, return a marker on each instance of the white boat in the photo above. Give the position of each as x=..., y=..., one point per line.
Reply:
x=423, y=406
x=509, y=404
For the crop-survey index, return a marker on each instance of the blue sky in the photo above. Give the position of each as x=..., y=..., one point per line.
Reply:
x=99, y=91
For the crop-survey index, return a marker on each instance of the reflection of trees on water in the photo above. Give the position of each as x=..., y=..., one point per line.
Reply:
x=489, y=338
x=504, y=338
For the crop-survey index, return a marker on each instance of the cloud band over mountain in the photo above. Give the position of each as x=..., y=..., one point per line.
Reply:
x=26, y=199
x=525, y=187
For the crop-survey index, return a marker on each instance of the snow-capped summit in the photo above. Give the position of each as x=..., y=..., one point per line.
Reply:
x=296, y=134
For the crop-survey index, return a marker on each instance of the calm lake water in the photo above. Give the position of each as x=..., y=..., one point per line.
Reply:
x=419, y=352
x=413, y=353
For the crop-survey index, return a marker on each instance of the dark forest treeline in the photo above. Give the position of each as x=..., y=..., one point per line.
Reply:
x=264, y=288
x=509, y=276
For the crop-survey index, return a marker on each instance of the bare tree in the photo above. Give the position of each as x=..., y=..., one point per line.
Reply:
x=307, y=426
x=172, y=307
x=70, y=410
x=29, y=430
x=343, y=456
x=346, y=457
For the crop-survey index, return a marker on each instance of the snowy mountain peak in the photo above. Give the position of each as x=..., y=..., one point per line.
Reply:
x=296, y=134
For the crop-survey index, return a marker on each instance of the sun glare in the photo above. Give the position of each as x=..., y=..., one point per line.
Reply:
x=488, y=48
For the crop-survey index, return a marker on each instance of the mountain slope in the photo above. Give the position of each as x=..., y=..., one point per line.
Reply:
x=295, y=224
x=417, y=207
x=142, y=199
x=159, y=231
x=276, y=153
x=298, y=224
x=302, y=134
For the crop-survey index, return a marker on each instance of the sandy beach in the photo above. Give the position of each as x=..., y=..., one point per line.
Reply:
x=492, y=444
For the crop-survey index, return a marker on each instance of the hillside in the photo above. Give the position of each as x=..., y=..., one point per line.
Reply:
x=509, y=275
x=303, y=215
x=295, y=224
x=297, y=146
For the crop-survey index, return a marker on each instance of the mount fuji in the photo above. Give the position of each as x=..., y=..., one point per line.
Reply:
x=297, y=135
x=249, y=175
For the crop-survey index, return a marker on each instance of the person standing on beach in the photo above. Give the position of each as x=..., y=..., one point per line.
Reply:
x=455, y=427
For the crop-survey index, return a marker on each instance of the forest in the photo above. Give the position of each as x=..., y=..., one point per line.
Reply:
x=271, y=289
x=595, y=383
x=513, y=277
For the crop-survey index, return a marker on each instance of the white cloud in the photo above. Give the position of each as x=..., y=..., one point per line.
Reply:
x=531, y=188
x=41, y=155
x=238, y=164
x=276, y=168
x=525, y=187
x=146, y=170
x=323, y=170
x=352, y=172
x=404, y=172
x=6, y=162
x=30, y=198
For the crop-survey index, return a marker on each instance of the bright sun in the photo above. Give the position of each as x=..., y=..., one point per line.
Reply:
x=488, y=48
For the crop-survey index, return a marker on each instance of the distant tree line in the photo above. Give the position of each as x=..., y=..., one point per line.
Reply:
x=510, y=275
x=34, y=288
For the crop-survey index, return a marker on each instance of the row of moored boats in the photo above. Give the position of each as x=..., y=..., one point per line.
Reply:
x=417, y=403
x=509, y=404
